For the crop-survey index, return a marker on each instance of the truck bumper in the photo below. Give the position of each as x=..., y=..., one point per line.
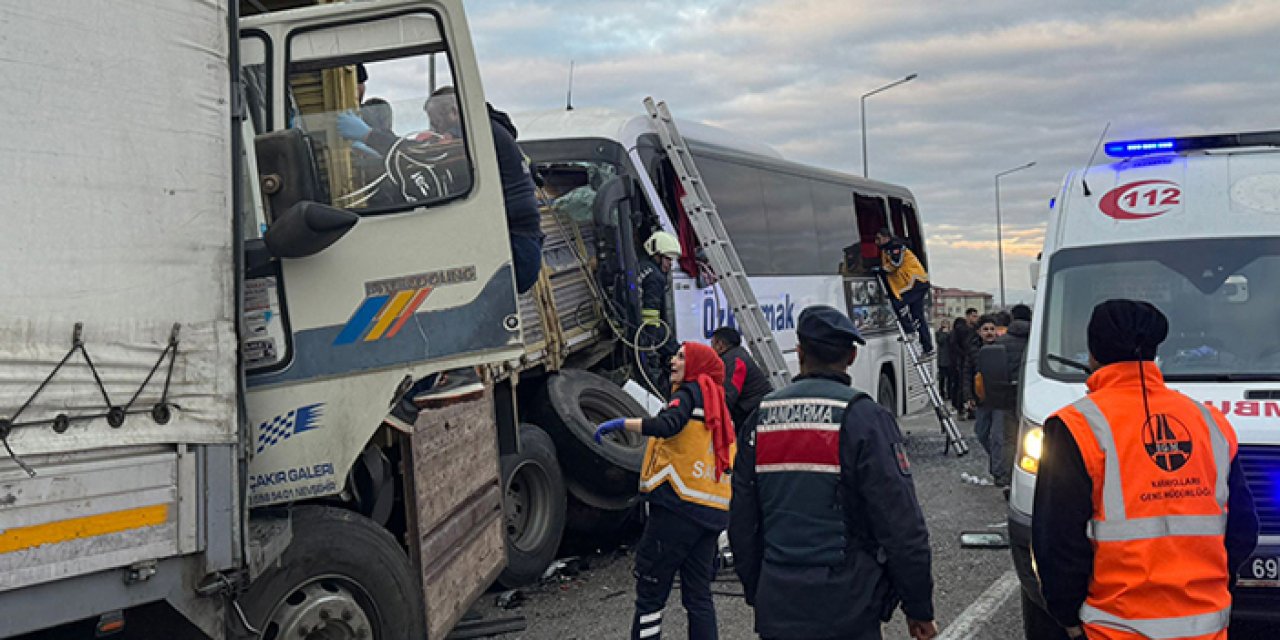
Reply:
x=1020, y=548
x=1258, y=602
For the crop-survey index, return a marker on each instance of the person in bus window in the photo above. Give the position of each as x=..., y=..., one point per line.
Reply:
x=908, y=285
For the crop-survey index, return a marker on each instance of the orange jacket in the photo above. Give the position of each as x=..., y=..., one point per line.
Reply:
x=1160, y=507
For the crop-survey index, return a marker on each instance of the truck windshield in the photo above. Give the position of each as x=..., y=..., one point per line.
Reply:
x=1222, y=298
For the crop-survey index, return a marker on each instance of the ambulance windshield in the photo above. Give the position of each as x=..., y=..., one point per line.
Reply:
x=1222, y=298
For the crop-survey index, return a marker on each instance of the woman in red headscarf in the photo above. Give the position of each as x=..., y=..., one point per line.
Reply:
x=685, y=479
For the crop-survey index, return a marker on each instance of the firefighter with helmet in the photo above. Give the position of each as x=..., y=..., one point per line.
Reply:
x=657, y=338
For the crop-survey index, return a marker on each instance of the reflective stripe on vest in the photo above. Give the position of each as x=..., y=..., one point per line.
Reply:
x=1160, y=628
x=1117, y=527
x=650, y=316
x=668, y=473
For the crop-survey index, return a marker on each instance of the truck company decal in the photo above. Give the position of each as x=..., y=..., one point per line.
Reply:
x=285, y=426
x=1141, y=200
x=294, y=483
x=389, y=304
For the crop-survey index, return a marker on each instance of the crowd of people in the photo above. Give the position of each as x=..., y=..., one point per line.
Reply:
x=813, y=484
x=978, y=363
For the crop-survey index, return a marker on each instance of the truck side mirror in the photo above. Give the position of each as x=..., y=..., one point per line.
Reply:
x=306, y=229
x=1035, y=273
x=288, y=170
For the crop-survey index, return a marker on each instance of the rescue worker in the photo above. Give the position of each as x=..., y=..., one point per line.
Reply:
x=1142, y=516
x=685, y=480
x=908, y=285
x=657, y=338
x=745, y=385
x=826, y=532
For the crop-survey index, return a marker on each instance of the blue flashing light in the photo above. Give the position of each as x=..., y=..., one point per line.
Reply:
x=1132, y=148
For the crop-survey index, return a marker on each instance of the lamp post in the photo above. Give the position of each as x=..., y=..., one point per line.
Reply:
x=862, y=114
x=999, y=234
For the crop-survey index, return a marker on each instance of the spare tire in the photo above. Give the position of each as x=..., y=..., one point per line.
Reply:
x=575, y=402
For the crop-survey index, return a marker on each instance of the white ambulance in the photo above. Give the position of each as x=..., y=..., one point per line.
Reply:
x=1191, y=225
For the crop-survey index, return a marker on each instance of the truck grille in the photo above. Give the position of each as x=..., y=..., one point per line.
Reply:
x=1261, y=467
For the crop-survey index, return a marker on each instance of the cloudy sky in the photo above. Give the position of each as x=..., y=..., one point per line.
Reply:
x=1001, y=83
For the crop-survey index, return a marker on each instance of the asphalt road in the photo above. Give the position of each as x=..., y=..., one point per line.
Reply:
x=975, y=594
x=597, y=602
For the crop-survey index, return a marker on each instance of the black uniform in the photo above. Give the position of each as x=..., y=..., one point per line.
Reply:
x=745, y=385
x=653, y=305
x=823, y=550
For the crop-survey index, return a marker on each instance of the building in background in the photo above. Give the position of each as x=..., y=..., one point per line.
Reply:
x=951, y=303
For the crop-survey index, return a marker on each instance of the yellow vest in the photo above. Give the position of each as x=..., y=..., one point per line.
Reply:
x=904, y=276
x=687, y=462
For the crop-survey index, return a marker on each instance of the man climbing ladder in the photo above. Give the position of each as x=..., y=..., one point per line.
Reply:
x=905, y=324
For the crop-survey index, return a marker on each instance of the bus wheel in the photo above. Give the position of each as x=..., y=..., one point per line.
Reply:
x=341, y=577
x=886, y=395
x=533, y=507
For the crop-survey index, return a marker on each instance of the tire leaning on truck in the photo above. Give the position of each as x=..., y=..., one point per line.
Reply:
x=575, y=402
x=533, y=507
x=342, y=576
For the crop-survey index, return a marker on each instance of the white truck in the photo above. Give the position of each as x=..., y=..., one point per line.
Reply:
x=201, y=346
x=1191, y=225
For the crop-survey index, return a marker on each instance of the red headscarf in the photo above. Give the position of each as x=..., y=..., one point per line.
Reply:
x=703, y=366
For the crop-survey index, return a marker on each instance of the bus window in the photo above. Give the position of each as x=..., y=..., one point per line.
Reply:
x=740, y=202
x=793, y=241
x=872, y=217
x=906, y=225
x=833, y=218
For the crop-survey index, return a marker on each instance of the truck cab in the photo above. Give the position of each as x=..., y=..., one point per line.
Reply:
x=1191, y=225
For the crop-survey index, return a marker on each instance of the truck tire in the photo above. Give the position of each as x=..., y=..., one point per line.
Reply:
x=341, y=577
x=886, y=394
x=533, y=508
x=602, y=525
x=1037, y=624
x=575, y=402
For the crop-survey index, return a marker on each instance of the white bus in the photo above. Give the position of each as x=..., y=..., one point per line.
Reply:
x=789, y=222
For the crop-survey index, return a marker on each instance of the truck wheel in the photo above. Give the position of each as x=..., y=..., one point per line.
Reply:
x=1037, y=623
x=576, y=401
x=588, y=521
x=886, y=395
x=533, y=507
x=341, y=577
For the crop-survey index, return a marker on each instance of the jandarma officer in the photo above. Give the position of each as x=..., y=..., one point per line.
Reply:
x=826, y=531
x=1142, y=516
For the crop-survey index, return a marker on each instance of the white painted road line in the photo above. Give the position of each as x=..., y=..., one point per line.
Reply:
x=967, y=624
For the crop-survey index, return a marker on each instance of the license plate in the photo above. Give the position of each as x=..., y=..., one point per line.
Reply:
x=1260, y=571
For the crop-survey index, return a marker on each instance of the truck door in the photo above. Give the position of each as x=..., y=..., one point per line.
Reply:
x=381, y=254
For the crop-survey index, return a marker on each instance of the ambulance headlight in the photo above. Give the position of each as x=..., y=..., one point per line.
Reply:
x=1032, y=447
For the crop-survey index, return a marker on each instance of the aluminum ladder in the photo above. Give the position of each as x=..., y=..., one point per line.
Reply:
x=940, y=408
x=719, y=250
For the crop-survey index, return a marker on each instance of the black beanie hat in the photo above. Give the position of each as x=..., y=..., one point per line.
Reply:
x=1126, y=330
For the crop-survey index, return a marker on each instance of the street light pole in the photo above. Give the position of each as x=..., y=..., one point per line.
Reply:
x=862, y=114
x=999, y=227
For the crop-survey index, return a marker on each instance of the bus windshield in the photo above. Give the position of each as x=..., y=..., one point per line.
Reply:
x=1222, y=299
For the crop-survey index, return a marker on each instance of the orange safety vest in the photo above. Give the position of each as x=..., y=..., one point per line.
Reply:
x=1159, y=507
x=687, y=461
